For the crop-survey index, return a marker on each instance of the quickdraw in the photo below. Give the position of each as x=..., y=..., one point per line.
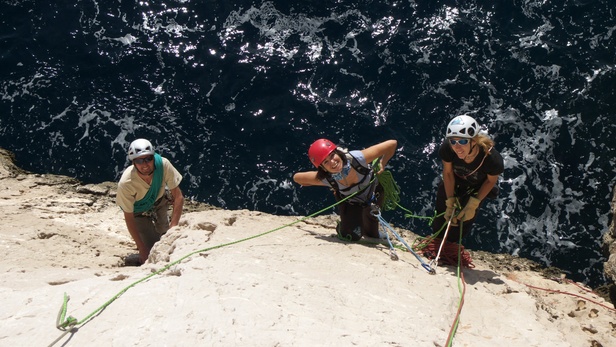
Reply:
x=386, y=229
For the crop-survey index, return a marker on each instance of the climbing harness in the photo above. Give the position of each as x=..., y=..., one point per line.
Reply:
x=386, y=227
x=366, y=172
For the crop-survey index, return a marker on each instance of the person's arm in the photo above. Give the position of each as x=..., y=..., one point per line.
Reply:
x=307, y=178
x=487, y=186
x=468, y=212
x=173, y=178
x=144, y=251
x=385, y=150
x=449, y=180
x=178, y=204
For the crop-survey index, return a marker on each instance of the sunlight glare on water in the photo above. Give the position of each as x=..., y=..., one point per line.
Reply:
x=234, y=94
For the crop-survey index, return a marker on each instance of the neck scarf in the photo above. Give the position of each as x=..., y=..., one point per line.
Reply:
x=342, y=174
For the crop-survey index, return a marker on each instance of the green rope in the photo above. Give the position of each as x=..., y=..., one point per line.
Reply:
x=69, y=323
x=410, y=214
x=391, y=191
x=392, y=200
x=66, y=322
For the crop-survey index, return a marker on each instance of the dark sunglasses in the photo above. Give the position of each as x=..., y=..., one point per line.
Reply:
x=140, y=161
x=462, y=142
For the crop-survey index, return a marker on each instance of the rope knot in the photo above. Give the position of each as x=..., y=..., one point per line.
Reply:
x=68, y=323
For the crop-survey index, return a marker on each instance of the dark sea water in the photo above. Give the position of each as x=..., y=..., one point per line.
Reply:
x=234, y=93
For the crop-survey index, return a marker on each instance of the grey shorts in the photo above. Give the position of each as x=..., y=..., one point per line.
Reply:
x=154, y=223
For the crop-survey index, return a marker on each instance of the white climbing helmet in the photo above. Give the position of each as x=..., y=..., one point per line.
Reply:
x=140, y=148
x=463, y=126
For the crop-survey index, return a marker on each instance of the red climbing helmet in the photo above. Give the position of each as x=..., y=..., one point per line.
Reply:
x=319, y=150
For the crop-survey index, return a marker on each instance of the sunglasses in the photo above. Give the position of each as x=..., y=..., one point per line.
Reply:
x=461, y=142
x=140, y=161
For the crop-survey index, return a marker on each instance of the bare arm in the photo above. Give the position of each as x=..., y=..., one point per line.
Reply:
x=144, y=251
x=449, y=179
x=385, y=149
x=178, y=204
x=307, y=178
x=487, y=186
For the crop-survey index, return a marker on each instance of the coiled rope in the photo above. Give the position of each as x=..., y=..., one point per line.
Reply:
x=442, y=251
x=391, y=191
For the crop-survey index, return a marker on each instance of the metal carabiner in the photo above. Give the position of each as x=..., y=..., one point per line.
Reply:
x=375, y=210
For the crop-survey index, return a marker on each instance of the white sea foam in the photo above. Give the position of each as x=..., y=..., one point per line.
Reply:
x=194, y=82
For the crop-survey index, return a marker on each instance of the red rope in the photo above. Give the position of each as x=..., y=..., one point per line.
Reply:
x=565, y=293
x=449, y=256
x=449, y=253
x=454, y=327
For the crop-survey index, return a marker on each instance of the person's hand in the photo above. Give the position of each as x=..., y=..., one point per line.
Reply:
x=381, y=167
x=468, y=212
x=377, y=165
x=451, y=205
x=143, y=255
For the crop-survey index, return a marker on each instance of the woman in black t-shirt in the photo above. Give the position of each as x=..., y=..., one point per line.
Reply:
x=471, y=167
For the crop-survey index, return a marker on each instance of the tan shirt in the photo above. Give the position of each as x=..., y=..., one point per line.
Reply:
x=132, y=188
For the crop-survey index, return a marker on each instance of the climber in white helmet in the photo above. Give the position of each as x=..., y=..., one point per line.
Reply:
x=145, y=191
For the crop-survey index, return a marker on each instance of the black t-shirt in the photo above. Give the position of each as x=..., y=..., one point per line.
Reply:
x=475, y=173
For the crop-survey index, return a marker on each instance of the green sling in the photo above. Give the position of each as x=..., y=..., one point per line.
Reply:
x=157, y=180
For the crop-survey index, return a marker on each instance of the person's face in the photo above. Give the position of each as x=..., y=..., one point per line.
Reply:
x=333, y=163
x=145, y=165
x=461, y=146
